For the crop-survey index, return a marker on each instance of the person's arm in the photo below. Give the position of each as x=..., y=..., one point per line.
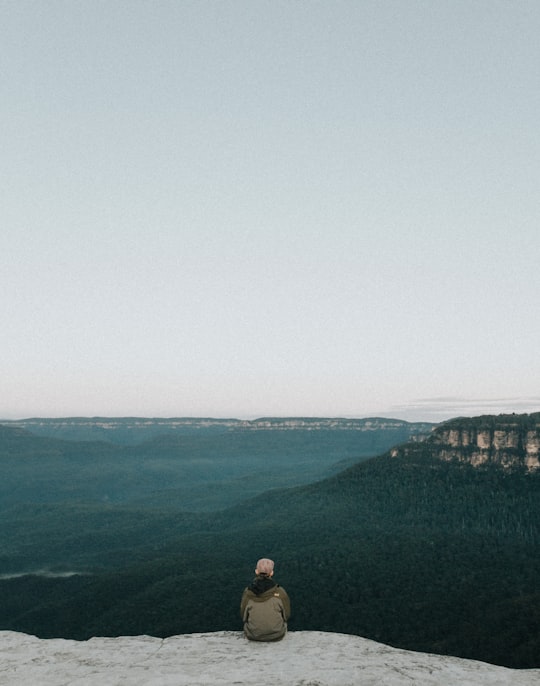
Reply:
x=243, y=603
x=286, y=602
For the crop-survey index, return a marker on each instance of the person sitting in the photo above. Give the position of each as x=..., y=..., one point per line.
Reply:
x=265, y=606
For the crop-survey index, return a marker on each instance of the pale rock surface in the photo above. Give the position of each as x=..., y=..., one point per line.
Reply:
x=303, y=658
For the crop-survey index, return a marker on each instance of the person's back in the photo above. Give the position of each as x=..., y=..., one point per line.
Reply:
x=265, y=607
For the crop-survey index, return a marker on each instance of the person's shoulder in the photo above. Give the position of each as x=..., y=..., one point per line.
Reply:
x=282, y=590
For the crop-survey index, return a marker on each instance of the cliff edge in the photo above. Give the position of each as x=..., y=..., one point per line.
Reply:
x=510, y=441
x=303, y=658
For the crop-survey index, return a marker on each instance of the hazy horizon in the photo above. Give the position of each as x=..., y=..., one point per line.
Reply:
x=426, y=410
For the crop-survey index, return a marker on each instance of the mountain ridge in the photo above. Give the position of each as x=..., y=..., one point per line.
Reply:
x=131, y=430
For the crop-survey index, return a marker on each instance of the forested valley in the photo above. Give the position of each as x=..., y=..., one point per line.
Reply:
x=410, y=551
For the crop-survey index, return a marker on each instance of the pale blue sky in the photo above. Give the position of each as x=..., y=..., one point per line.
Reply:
x=256, y=208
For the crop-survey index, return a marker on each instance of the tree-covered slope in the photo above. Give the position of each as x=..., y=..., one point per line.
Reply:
x=411, y=551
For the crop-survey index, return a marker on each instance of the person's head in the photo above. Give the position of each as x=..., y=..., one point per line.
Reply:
x=265, y=567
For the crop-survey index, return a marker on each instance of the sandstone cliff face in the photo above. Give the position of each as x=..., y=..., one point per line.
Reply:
x=506, y=440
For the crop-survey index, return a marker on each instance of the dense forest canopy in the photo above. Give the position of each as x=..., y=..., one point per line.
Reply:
x=411, y=551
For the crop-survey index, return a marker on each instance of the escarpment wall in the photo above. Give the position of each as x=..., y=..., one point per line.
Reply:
x=506, y=440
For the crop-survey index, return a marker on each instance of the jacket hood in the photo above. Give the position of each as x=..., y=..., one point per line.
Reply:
x=261, y=584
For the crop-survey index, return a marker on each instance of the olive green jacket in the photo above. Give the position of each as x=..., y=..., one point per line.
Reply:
x=265, y=615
